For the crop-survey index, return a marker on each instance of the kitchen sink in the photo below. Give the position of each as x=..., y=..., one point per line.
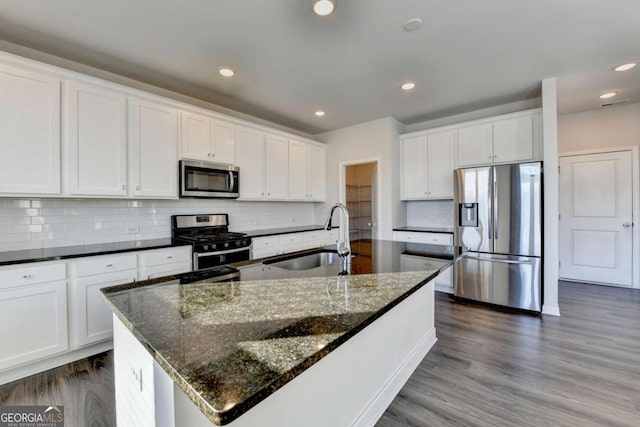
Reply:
x=306, y=261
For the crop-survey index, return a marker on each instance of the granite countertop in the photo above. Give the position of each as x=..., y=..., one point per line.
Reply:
x=229, y=345
x=283, y=230
x=64, y=252
x=448, y=230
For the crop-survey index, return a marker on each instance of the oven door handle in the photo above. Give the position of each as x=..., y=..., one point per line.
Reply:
x=230, y=251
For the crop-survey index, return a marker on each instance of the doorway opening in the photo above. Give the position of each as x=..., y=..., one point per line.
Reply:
x=361, y=194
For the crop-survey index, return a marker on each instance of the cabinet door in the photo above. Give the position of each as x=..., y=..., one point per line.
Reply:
x=252, y=164
x=316, y=173
x=298, y=172
x=513, y=139
x=413, y=168
x=475, y=145
x=440, y=165
x=171, y=269
x=195, y=136
x=29, y=132
x=91, y=317
x=277, y=168
x=154, y=150
x=95, y=140
x=224, y=142
x=34, y=320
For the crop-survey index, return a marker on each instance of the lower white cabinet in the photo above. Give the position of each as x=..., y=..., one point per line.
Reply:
x=33, y=313
x=444, y=239
x=443, y=282
x=284, y=243
x=164, y=262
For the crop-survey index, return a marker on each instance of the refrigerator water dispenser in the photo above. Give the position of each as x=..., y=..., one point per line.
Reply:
x=468, y=214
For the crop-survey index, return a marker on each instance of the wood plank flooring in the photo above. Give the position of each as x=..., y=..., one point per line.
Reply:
x=488, y=368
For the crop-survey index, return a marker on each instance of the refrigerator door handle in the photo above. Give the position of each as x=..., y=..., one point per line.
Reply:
x=495, y=209
x=503, y=261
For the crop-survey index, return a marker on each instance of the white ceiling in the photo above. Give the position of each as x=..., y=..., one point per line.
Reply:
x=470, y=54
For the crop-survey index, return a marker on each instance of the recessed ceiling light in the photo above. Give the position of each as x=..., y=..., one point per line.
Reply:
x=608, y=95
x=226, y=71
x=408, y=85
x=319, y=113
x=412, y=24
x=323, y=7
x=625, y=67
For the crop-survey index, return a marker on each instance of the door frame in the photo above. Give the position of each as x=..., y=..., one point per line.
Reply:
x=343, y=183
x=635, y=202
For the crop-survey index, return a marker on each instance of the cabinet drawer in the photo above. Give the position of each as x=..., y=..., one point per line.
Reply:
x=32, y=273
x=164, y=256
x=314, y=236
x=430, y=238
x=170, y=269
x=290, y=239
x=260, y=243
x=102, y=265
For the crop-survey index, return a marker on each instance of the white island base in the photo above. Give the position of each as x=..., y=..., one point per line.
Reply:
x=351, y=386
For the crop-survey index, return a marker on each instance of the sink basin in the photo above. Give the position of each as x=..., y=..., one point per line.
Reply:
x=306, y=261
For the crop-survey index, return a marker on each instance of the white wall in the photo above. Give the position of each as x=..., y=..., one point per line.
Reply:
x=44, y=223
x=363, y=143
x=603, y=128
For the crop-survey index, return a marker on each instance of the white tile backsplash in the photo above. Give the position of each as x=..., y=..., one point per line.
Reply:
x=431, y=213
x=46, y=223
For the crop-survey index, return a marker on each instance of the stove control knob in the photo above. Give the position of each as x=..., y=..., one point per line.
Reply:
x=226, y=245
x=238, y=242
x=214, y=246
x=205, y=247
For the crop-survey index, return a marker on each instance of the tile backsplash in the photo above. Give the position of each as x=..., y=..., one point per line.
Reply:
x=432, y=213
x=44, y=223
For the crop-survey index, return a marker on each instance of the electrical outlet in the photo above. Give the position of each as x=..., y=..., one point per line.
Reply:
x=132, y=229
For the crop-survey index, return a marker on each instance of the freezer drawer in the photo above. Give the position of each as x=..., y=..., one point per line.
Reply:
x=510, y=281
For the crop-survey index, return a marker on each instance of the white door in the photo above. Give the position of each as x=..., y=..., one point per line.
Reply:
x=440, y=165
x=29, y=132
x=224, y=142
x=513, y=139
x=195, y=136
x=252, y=163
x=475, y=145
x=298, y=170
x=95, y=140
x=277, y=168
x=414, y=171
x=316, y=173
x=596, y=234
x=153, y=134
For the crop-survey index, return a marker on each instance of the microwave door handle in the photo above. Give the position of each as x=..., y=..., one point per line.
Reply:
x=233, y=181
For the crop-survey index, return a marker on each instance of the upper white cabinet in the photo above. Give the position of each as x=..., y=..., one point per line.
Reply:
x=207, y=138
x=277, y=168
x=307, y=171
x=29, y=132
x=95, y=140
x=153, y=149
x=507, y=139
x=427, y=166
x=475, y=145
x=252, y=152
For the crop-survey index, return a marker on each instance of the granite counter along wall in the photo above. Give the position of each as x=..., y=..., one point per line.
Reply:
x=45, y=223
x=430, y=213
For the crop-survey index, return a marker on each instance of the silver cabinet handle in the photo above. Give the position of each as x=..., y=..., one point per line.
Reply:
x=208, y=154
x=627, y=225
x=213, y=154
x=109, y=265
x=124, y=187
x=269, y=193
x=27, y=276
x=169, y=257
x=137, y=187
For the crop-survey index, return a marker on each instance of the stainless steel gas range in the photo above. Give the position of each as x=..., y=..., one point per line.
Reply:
x=213, y=243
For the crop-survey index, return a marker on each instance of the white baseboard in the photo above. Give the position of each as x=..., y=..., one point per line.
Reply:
x=27, y=370
x=551, y=310
x=385, y=396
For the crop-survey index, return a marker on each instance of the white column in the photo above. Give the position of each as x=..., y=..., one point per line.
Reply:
x=551, y=204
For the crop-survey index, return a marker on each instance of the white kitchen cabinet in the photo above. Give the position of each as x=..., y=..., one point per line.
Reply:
x=207, y=138
x=475, y=145
x=153, y=149
x=291, y=242
x=513, y=139
x=277, y=168
x=33, y=312
x=95, y=139
x=164, y=262
x=265, y=246
x=419, y=237
x=427, y=166
x=29, y=131
x=253, y=163
x=307, y=171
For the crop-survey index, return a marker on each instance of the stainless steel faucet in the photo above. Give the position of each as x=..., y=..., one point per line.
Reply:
x=343, y=244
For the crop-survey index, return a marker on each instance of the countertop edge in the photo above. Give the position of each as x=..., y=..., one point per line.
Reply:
x=442, y=230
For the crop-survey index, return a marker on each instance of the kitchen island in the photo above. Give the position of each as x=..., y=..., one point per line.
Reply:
x=275, y=345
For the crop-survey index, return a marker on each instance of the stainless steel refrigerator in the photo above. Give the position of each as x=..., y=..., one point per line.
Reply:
x=498, y=220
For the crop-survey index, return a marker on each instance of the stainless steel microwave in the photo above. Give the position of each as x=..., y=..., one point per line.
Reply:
x=209, y=180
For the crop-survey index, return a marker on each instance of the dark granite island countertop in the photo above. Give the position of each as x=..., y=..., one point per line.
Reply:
x=229, y=345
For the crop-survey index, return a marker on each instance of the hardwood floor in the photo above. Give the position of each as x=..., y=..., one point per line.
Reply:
x=488, y=368
x=491, y=368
